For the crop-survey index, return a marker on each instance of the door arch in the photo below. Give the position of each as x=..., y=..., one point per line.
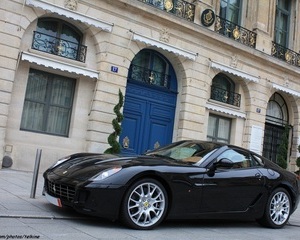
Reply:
x=276, y=121
x=150, y=103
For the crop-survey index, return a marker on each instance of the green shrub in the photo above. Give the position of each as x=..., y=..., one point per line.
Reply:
x=283, y=149
x=115, y=146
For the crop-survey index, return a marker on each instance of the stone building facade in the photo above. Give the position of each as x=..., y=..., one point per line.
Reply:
x=214, y=69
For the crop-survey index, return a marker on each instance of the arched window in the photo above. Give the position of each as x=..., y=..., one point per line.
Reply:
x=150, y=67
x=222, y=90
x=60, y=38
x=275, y=126
x=277, y=112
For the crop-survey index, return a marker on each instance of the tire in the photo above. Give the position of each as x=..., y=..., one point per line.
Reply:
x=145, y=205
x=278, y=209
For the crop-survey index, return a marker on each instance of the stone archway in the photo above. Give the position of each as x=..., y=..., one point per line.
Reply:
x=277, y=118
x=150, y=103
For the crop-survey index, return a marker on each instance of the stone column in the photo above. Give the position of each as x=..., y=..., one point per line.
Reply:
x=263, y=16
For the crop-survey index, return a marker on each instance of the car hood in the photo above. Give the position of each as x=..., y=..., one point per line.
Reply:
x=84, y=167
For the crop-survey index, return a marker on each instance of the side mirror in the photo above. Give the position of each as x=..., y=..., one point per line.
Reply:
x=223, y=163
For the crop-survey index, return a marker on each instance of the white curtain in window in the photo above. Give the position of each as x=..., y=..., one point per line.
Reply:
x=58, y=120
x=32, y=118
x=224, y=128
x=34, y=105
x=60, y=102
x=274, y=110
x=211, y=126
x=218, y=129
x=48, y=103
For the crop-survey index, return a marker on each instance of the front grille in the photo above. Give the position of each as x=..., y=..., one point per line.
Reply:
x=64, y=192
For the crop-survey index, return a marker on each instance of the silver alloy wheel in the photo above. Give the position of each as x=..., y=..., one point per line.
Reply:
x=280, y=208
x=146, y=204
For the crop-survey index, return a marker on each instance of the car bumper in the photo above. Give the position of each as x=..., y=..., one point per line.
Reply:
x=92, y=198
x=99, y=200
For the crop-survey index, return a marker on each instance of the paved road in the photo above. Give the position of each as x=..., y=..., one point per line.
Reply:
x=22, y=217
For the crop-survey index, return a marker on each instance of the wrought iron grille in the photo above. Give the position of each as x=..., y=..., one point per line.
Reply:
x=236, y=32
x=179, y=8
x=285, y=54
x=224, y=96
x=149, y=76
x=272, y=139
x=57, y=46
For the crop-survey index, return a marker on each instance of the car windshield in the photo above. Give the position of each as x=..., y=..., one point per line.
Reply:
x=189, y=152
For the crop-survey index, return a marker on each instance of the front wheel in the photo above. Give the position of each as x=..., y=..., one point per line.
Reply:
x=145, y=204
x=278, y=209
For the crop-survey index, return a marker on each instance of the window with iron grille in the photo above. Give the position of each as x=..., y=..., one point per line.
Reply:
x=150, y=67
x=277, y=118
x=223, y=90
x=60, y=38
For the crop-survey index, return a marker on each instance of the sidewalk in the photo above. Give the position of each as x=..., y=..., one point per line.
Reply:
x=15, y=201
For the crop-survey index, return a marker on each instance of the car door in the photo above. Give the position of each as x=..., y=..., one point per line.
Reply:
x=232, y=189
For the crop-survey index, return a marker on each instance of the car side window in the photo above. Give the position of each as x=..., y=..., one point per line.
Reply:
x=240, y=159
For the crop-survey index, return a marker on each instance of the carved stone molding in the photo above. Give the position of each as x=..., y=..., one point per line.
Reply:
x=71, y=4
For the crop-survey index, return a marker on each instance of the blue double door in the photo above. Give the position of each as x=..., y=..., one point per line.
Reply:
x=148, y=118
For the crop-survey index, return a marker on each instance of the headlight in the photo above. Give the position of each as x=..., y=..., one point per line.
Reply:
x=60, y=161
x=106, y=173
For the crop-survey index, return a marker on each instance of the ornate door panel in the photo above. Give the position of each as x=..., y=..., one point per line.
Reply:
x=160, y=126
x=148, y=119
x=132, y=124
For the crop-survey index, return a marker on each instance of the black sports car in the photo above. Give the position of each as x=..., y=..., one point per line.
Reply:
x=184, y=180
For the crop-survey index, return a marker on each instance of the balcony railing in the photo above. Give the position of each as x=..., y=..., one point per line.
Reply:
x=149, y=76
x=235, y=32
x=224, y=96
x=57, y=46
x=285, y=54
x=179, y=8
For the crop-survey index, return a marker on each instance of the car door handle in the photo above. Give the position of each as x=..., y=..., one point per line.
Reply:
x=258, y=175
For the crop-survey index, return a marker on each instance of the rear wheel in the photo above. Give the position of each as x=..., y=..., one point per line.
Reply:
x=278, y=209
x=145, y=204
